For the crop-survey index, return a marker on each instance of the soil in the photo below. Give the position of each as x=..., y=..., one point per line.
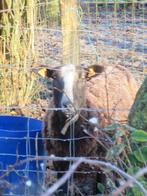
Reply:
x=106, y=39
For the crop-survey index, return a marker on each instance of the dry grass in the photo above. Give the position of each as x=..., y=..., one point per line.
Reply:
x=18, y=84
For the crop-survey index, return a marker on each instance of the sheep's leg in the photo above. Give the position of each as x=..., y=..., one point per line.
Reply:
x=63, y=190
x=62, y=166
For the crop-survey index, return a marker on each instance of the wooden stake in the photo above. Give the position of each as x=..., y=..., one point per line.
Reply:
x=70, y=32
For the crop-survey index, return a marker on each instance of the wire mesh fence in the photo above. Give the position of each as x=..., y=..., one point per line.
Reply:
x=112, y=34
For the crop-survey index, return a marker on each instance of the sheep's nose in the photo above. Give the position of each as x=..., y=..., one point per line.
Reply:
x=67, y=107
x=65, y=102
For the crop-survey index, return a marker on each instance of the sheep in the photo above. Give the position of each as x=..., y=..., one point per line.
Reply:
x=75, y=88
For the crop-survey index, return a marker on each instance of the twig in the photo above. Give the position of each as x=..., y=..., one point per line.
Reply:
x=72, y=120
x=63, y=179
x=107, y=96
x=93, y=162
x=78, y=190
x=129, y=182
x=80, y=160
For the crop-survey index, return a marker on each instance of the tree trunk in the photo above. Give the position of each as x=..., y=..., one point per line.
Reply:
x=138, y=115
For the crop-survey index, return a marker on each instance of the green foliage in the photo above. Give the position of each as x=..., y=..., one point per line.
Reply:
x=112, y=127
x=135, y=191
x=129, y=152
x=139, y=136
x=49, y=11
x=53, y=8
x=101, y=188
x=141, y=154
x=115, y=151
x=138, y=114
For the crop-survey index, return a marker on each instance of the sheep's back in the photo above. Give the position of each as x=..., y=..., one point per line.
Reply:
x=112, y=92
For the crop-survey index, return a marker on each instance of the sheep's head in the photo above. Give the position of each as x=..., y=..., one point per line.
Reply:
x=69, y=86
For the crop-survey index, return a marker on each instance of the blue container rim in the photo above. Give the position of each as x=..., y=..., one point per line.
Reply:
x=24, y=117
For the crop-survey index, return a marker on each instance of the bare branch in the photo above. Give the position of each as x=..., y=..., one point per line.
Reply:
x=78, y=161
x=129, y=182
x=62, y=180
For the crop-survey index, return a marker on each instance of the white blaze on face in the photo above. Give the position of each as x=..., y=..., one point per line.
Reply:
x=68, y=73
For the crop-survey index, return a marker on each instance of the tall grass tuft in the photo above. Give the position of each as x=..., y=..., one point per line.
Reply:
x=48, y=12
x=17, y=53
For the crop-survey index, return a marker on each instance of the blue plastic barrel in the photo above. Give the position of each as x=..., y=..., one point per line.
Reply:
x=20, y=139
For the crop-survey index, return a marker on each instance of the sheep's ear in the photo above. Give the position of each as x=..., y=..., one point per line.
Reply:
x=42, y=72
x=94, y=70
x=49, y=73
x=46, y=73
